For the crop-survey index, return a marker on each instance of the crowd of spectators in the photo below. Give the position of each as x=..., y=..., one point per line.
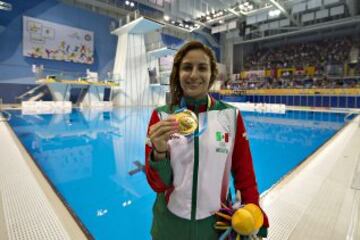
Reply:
x=295, y=82
x=328, y=57
x=317, y=54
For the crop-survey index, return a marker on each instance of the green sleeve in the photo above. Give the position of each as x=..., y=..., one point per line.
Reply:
x=163, y=168
x=263, y=232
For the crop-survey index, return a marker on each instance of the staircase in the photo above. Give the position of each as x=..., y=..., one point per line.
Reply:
x=34, y=94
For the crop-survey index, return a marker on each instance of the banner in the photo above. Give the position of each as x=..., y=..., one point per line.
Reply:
x=253, y=74
x=43, y=39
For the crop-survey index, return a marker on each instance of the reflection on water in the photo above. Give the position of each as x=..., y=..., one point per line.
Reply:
x=280, y=142
x=94, y=159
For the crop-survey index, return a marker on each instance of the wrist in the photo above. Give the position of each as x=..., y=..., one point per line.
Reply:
x=159, y=155
x=159, y=152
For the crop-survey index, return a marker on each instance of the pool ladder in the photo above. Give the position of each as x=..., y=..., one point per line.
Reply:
x=4, y=115
x=346, y=118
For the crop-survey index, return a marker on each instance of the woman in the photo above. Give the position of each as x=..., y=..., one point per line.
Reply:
x=191, y=174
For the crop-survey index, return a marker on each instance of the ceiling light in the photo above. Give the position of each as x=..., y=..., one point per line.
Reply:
x=274, y=13
x=5, y=6
x=127, y=3
x=166, y=18
x=132, y=4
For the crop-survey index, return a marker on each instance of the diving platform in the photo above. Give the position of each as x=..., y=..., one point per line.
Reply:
x=93, y=90
x=161, y=52
x=139, y=26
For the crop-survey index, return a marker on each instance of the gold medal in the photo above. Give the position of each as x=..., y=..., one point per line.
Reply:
x=188, y=122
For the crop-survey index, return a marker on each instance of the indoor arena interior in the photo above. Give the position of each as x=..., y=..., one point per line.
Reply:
x=81, y=80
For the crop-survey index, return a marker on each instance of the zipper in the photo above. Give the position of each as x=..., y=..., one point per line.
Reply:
x=195, y=178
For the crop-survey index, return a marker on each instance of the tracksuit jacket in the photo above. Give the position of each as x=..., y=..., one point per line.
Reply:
x=193, y=180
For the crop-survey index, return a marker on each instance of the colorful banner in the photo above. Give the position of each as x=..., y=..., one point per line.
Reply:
x=252, y=74
x=294, y=92
x=284, y=72
x=43, y=39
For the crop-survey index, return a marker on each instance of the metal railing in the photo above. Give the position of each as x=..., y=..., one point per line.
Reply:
x=4, y=115
x=351, y=113
x=30, y=92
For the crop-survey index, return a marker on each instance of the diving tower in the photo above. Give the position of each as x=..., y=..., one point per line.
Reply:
x=131, y=65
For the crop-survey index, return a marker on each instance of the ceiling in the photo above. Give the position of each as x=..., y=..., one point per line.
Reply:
x=290, y=15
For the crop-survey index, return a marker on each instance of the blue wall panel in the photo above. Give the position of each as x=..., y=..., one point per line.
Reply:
x=334, y=101
x=302, y=100
x=351, y=102
x=234, y=98
x=325, y=101
x=342, y=102
x=311, y=101
x=318, y=101
x=15, y=68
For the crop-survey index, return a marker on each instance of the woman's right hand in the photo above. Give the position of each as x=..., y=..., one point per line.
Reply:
x=160, y=133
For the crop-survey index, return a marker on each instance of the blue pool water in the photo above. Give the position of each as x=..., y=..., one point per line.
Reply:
x=94, y=159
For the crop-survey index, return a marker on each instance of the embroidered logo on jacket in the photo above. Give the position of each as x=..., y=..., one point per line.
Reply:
x=222, y=139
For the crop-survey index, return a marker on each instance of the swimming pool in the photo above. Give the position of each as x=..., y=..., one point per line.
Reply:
x=95, y=159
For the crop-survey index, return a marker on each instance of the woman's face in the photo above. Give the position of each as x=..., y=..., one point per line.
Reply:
x=195, y=73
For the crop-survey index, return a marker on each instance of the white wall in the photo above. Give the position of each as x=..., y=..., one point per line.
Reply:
x=132, y=67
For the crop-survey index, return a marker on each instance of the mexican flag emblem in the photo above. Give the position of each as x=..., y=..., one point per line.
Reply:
x=222, y=137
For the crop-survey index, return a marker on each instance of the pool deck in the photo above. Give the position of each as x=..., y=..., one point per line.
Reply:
x=29, y=208
x=318, y=200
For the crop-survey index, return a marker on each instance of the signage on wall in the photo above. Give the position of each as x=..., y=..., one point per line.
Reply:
x=43, y=39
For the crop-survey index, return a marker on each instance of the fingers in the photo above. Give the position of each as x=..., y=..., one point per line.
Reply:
x=160, y=133
x=164, y=130
x=162, y=124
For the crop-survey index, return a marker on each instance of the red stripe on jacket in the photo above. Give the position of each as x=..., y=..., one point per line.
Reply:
x=243, y=170
x=152, y=176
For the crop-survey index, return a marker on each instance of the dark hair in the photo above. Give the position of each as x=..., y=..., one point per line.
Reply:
x=176, y=91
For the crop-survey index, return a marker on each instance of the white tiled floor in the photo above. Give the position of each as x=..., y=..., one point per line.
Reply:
x=313, y=202
x=29, y=208
x=316, y=200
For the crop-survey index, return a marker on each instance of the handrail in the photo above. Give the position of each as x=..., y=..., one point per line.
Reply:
x=4, y=118
x=31, y=91
x=346, y=118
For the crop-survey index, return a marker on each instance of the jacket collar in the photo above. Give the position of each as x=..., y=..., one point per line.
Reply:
x=202, y=104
